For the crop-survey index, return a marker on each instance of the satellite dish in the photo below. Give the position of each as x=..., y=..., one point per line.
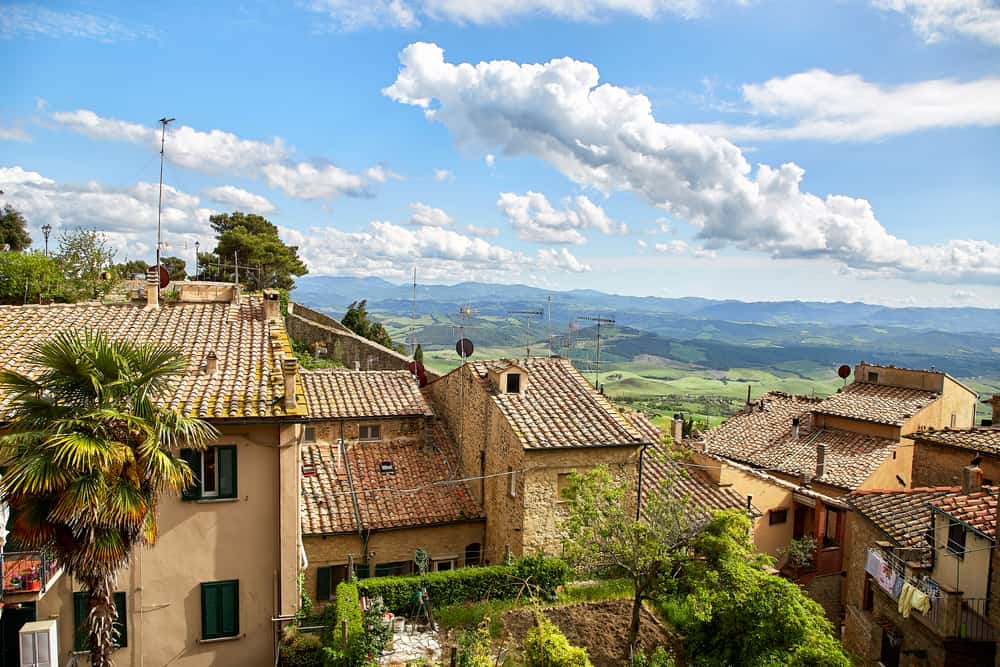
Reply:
x=164, y=277
x=464, y=348
x=844, y=371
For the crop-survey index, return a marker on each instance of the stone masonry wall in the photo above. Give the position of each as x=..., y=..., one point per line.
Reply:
x=341, y=344
x=935, y=465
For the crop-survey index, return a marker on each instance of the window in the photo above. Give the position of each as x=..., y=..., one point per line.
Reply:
x=513, y=383
x=387, y=467
x=220, y=609
x=393, y=569
x=310, y=434
x=873, y=377
x=513, y=481
x=954, y=419
x=327, y=579
x=775, y=517
x=868, y=596
x=369, y=432
x=214, y=472
x=956, y=539
x=830, y=536
x=81, y=607
x=473, y=554
x=443, y=565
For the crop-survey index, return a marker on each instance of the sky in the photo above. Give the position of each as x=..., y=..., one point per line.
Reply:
x=746, y=149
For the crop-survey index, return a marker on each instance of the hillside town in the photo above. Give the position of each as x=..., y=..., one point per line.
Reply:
x=878, y=502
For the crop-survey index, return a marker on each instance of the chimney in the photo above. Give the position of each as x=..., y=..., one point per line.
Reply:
x=152, y=288
x=820, y=459
x=677, y=428
x=272, y=305
x=972, y=479
x=996, y=410
x=795, y=428
x=290, y=369
x=211, y=363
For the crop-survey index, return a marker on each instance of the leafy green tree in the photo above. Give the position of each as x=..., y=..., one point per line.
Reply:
x=418, y=354
x=28, y=277
x=130, y=268
x=84, y=255
x=89, y=453
x=603, y=537
x=356, y=319
x=739, y=614
x=264, y=259
x=13, y=230
x=175, y=267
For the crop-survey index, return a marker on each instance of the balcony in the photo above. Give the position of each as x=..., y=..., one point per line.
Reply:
x=27, y=575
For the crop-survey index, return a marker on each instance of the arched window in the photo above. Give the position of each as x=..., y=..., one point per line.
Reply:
x=473, y=554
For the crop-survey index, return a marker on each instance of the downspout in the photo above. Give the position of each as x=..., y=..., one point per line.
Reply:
x=354, y=497
x=638, y=500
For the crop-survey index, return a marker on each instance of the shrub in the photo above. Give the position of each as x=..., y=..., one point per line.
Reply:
x=545, y=646
x=474, y=646
x=348, y=609
x=302, y=650
x=658, y=658
x=474, y=583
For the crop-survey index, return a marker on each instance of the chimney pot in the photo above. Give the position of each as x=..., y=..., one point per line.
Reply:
x=152, y=288
x=677, y=428
x=272, y=305
x=795, y=428
x=820, y=459
x=211, y=363
x=289, y=369
x=972, y=479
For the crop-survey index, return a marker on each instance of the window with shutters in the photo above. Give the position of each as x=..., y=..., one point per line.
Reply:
x=370, y=432
x=327, y=579
x=214, y=471
x=81, y=607
x=220, y=609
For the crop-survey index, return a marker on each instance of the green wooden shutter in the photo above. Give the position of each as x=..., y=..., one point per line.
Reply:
x=220, y=609
x=122, y=640
x=209, y=611
x=323, y=583
x=225, y=458
x=230, y=608
x=81, y=603
x=193, y=458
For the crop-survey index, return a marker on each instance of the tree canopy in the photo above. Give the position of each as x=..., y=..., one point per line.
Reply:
x=356, y=319
x=28, y=277
x=84, y=255
x=13, y=230
x=252, y=240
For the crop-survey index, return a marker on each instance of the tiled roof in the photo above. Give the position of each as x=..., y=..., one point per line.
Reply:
x=762, y=436
x=977, y=509
x=702, y=493
x=337, y=393
x=422, y=491
x=985, y=439
x=247, y=382
x=879, y=403
x=558, y=407
x=902, y=514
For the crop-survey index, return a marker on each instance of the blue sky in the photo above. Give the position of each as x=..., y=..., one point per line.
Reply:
x=611, y=145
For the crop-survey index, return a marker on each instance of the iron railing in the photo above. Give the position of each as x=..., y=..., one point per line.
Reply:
x=27, y=571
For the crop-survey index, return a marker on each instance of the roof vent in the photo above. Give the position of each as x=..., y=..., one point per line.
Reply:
x=387, y=467
x=795, y=428
x=211, y=363
x=308, y=470
x=272, y=305
x=972, y=479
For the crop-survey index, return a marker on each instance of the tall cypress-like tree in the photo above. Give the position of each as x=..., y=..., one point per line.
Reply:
x=13, y=230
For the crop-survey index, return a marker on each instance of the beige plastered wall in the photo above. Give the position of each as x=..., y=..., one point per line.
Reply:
x=250, y=538
x=969, y=574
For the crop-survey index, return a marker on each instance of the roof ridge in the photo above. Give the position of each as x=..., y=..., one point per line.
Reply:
x=916, y=489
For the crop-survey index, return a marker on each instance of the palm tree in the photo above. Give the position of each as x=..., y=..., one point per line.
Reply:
x=89, y=453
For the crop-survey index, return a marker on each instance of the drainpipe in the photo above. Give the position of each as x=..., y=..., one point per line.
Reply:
x=354, y=496
x=638, y=500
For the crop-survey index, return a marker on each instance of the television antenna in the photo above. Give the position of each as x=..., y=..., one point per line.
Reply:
x=599, y=321
x=159, y=206
x=528, y=315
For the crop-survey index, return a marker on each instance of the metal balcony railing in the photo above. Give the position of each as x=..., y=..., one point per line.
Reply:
x=27, y=571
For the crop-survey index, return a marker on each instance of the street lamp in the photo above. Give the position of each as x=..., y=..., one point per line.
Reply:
x=197, y=269
x=46, y=230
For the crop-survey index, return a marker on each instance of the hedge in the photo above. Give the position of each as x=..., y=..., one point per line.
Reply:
x=495, y=582
x=348, y=609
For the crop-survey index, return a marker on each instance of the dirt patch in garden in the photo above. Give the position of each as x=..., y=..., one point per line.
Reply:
x=599, y=627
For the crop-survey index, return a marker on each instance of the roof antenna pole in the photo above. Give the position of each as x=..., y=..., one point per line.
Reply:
x=600, y=321
x=159, y=205
x=528, y=315
x=551, y=351
x=413, y=325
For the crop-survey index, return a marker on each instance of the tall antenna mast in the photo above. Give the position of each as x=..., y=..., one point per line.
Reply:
x=599, y=321
x=528, y=314
x=549, y=337
x=159, y=205
x=413, y=325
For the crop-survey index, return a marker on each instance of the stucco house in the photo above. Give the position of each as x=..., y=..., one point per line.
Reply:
x=379, y=481
x=225, y=563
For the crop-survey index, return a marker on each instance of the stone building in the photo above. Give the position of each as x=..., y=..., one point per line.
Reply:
x=379, y=481
x=225, y=562
x=940, y=455
x=521, y=428
x=938, y=542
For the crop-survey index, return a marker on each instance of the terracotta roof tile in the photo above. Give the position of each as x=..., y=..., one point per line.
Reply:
x=879, y=403
x=985, y=439
x=337, y=393
x=558, y=407
x=247, y=382
x=703, y=495
x=421, y=490
x=977, y=509
x=902, y=514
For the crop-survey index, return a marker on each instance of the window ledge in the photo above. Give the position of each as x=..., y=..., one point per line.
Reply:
x=202, y=501
x=220, y=639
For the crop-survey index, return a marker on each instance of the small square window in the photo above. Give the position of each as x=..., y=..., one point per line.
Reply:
x=81, y=607
x=956, y=539
x=513, y=383
x=215, y=472
x=775, y=517
x=308, y=470
x=310, y=434
x=444, y=565
x=387, y=467
x=873, y=377
x=370, y=432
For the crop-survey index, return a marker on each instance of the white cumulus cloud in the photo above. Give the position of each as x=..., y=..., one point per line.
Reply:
x=936, y=19
x=535, y=219
x=240, y=199
x=423, y=215
x=484, y=232
x=606, y=137
x=442, y=175
x=561, y=259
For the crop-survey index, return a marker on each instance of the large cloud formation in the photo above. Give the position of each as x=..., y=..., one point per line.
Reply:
x=935, y=19
x=604, y=136
x=536, y=220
